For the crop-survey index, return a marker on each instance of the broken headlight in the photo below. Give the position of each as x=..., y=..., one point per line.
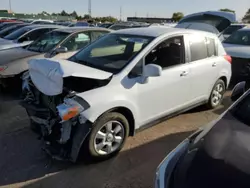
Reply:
x=71, y=108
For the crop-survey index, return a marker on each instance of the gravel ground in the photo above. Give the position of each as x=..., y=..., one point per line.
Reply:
x=23, y=164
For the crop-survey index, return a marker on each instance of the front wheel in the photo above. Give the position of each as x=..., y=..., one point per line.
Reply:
x=217, y=94
x=108, y=136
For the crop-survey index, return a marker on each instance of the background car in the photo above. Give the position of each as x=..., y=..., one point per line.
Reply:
x=237, y=46
x=81, y=24
x=215, y=156
x=9, y=30
x=60, y=43
x=8, y=24
x=234, y=27
x=212, y=21
x=106, y=25
x=25, y=35
x=42, y=22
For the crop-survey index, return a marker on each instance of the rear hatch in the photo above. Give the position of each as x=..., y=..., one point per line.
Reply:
x=206, y=20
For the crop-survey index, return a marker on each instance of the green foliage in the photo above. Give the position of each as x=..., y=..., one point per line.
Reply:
x=177, y=16
x=246, y=18
x=227, y=10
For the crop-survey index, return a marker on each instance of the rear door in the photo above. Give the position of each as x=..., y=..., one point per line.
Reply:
x=203, y=64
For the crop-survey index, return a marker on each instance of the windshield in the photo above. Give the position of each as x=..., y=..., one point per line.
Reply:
x=112, y=52
x=47, y=42
x=231, y=29
x=18, y=33
x=241, y=37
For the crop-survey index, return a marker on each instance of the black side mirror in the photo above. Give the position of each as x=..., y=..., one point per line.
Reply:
x=238, y=91
x=24, y=39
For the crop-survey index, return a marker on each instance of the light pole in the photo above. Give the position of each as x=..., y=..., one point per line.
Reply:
x=10, y=5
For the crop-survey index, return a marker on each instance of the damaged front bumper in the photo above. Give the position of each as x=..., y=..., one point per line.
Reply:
x=62, y=140
x=58, y=119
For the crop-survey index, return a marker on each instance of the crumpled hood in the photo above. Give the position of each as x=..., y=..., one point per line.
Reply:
x=10, y=55
x=47, y=74
x=235, y=50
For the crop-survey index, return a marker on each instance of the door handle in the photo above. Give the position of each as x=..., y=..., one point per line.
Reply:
x=184, y=73
x=214, y=64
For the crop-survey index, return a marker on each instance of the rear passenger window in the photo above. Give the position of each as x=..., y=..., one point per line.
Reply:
x=198, y=48
x=211, y=50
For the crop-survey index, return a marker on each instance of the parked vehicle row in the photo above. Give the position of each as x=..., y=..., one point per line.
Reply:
x=59, y=43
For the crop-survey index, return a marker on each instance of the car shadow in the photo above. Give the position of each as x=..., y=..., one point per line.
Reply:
x=23, y=161
x=226, y=103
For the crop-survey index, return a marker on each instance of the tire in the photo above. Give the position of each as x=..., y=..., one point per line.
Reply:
x=102, y=125
x=218, y=92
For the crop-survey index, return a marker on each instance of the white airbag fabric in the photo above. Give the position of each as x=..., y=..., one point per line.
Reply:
x=47, y=76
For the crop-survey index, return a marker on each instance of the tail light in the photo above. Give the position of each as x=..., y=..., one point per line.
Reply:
x=228, y=58
x=2, y=68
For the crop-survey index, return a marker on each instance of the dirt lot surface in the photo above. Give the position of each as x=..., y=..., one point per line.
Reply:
x=23, y=164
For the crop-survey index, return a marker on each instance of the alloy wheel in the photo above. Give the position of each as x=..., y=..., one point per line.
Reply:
x=109, y=138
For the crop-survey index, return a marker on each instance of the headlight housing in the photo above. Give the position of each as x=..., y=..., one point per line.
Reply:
x=70, y=108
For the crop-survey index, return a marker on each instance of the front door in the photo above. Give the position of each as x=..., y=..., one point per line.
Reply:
x=168, y=93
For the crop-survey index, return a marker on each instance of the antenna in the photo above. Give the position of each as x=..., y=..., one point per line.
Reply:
x=120, y=13
x=135, y=14
x=90, y=8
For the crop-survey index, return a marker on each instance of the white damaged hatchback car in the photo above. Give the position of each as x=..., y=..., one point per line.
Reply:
x=119, y=84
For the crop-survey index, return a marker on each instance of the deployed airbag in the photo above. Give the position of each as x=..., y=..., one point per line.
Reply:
x=47, y=74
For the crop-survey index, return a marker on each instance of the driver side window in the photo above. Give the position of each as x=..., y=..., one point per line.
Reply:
x=77, y=41
x=168, y=53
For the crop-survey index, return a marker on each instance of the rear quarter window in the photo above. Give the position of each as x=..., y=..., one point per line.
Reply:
x=211, y=48
x=198, y=47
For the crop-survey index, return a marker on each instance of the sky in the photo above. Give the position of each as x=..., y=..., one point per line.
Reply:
x=143, y=8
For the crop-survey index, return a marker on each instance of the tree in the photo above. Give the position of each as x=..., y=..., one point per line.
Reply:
x=227, y=10
x=86, y=16
x=74, y=14
x=63, y=13
x=45, y=13
x=246, y=18
x=177, y=16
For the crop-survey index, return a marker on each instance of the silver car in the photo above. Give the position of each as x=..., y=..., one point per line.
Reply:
x=24, y=36
x=60, y=43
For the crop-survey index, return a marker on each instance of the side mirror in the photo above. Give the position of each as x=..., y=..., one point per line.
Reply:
x=24, y=39
x=152, y=70
x=61, y=50
x=238, y=91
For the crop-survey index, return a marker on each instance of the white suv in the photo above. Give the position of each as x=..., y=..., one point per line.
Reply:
x=121, y=83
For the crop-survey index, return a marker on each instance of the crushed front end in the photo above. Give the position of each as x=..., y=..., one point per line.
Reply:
x=58, y=119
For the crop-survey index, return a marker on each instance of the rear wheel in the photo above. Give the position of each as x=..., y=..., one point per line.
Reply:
x=217, y=94
x=108, y=136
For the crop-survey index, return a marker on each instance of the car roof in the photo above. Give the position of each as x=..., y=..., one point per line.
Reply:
x=245, y=29
x=78, y=29
x=34, y=26
x=156, y=31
